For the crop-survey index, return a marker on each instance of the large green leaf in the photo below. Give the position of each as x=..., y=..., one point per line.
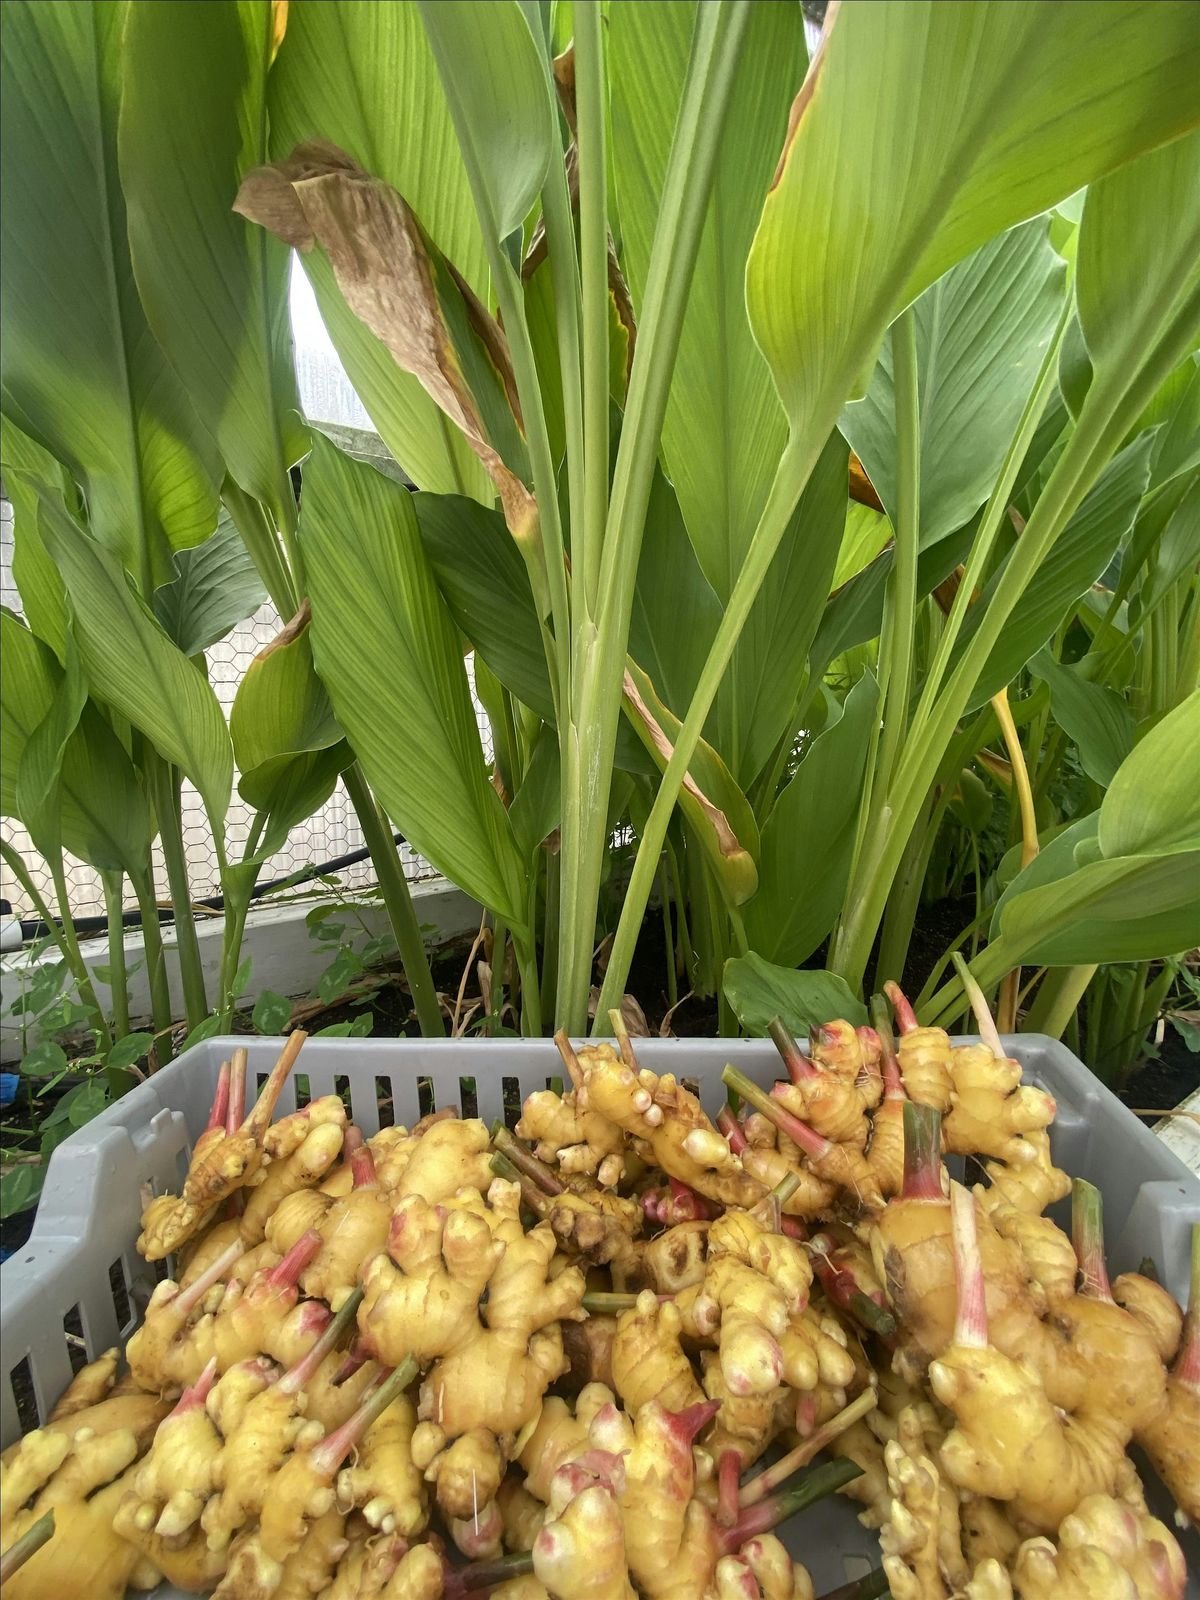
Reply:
x=82, y=372
x=981, y=333
x=104, y=816
x=1153, y=802
x=281, y=706
x=1159, y=199
x=214, y=588
x=361, y=75
x=39, y=777
x=724, y=429
x=495, y=88
x=1081, y=554
x=388, y=652
x=1178, y=549
x=675, y=612
x=485, y=583
x=759, y=991
x=922, y=131
x=193, y=122
x=758, y=699
x=1127, y=908
x=1098, y=722
x=134, y=666
x=30, y=471
x=808, y=838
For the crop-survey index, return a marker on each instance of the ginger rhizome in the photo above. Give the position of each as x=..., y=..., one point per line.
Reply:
x=446, y=1361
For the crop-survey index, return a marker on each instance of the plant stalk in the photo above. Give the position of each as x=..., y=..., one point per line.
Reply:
x=397, y=900
x=163, y=785
x=897, y=647
x=598, y=662
x=156, y=963
x=31, y=1541
x=1058, y=999
x=118, y=976
x=590, y=140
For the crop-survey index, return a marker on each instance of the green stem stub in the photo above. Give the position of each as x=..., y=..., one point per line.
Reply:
x=30, y=1542
x=1087, y=1235
x=922, y=1152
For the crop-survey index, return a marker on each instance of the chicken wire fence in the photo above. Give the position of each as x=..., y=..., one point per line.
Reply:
x=329, y=833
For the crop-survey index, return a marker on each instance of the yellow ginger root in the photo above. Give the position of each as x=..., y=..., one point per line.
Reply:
x=668, y=1535
x=1047, y=1251
x=815, y=1354
x=782, y=1261
x=309, y=1570
x=762, y=1570
x=675, y=1260
x=580, y=1552
x=226, y=1156
x=302, y=1167
x=568, y=1136
x=521, y=1513
x=1153, y=1307
x=302, y=1492
x=591, y=1224
x=668, y=1124
x=420, y=1297
x=383, y=1481
x=859, y=1444
x=588, y=1348
x=769, y=1167
x=1170, y=1436
x=175, y=1480
x=853, y=1053
x=157, y=1344
x=259, y=1421
x=842, y=1165
x=366, y=1568
x=987, y=1532
x=885, y=1154
x=924, y=1055
x=558, y=1436
x=1106, y=1551
x=495, y=1374
x=919, y=1536
x=827, y=1101
x=1010, y=1443
x=746, y=1424
x=1031, y=1184
x=353, y=1230
x=449, y=1156
x=88, y=1387
x=77, y=1475
x=990, y=1110
x=648, y=1359
x=752, y=1316
x=467, y=1473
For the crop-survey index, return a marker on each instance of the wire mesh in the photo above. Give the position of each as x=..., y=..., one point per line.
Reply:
x=326, y=394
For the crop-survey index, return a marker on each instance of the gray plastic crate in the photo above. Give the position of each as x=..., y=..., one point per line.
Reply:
x=80, y=1277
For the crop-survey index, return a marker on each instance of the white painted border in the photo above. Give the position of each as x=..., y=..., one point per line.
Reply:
x=285, y=958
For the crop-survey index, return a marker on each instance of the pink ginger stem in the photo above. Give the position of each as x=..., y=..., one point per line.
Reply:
x=693, y=1419
x=843, y=1288
x=780, y=1471
x=893, y=1083
x=193, y=1398
x=287, y=1274
x=811, y=1142
x=259, y=1119
x=327, y=1340
x=984, y=1020
x=190, y=1297
x=327, y=1456
x=906, y=1017
x=729, y=1125
x=237, y=1092
x=729, y=1473
x=220, y=1105
x=357, y=1356
x=362, y=1162
x=769, y=1513
x=971, y=1322
x=1187, y=1362
x=799, y=1067
x=1087, y=1235
x=793, y=1228
x=922, y=1152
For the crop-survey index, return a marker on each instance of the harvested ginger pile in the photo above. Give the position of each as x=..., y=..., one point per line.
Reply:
x=594, y=1359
